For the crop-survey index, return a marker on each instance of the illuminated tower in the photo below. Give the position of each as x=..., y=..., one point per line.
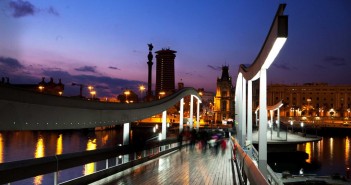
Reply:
x=165, y=82
x=224, y=99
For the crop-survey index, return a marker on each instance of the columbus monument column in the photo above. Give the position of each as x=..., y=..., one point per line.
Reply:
x=149, y=96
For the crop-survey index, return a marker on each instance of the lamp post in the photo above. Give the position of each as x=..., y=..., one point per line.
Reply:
x=308, y=106
x=292, y=126
x=331, y=112
x=41, y=88
x=302, y=127
x=127, y=93
x=93, y=93
x=141, y=88
x=348, y=113
x=162, y=93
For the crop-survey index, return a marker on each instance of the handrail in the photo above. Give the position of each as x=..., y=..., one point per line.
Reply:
x=19, y=170
x=248, y=168
x=26, y=110
x=272, y=176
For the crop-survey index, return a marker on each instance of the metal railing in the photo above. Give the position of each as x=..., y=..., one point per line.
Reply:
x=246, y=169
x=138, y=154
x=271, y=176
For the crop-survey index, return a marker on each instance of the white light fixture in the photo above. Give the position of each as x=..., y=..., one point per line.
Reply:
x=159, y=136
x=277, y=46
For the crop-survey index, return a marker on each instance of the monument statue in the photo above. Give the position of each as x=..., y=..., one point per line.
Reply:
x=150, y=46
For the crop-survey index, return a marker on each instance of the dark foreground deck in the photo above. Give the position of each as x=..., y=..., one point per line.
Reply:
x=188, y=166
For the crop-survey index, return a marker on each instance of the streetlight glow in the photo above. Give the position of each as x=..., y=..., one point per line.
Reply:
x=93, y=93
x=41, y=88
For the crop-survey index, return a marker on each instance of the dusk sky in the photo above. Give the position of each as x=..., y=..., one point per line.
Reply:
x=104, y=43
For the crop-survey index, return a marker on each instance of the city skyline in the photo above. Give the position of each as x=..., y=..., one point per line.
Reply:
x=105, y=44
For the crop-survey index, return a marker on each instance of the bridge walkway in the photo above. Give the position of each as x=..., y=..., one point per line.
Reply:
x=191, y=165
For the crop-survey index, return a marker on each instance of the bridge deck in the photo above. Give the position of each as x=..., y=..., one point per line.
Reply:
x=188, y=166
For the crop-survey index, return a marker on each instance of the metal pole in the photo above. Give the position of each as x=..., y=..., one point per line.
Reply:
x=181, y=116
x=262, y=147
x=191, y=111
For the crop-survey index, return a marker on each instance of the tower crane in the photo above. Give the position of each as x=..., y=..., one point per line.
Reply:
x=80, y=88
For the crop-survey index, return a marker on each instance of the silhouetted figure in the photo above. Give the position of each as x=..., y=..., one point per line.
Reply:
x=180, y=140
x=223, y=146
x=193, y=138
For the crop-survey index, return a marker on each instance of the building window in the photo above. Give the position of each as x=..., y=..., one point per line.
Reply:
x=224, y=105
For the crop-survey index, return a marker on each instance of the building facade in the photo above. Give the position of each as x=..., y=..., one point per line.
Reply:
x=165, y=81
x=311, y=99
x=42, y=87
x=223, y=108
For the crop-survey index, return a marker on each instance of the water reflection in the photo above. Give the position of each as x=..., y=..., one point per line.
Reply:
x=90, y=168
x=347, y=151
x=331, y=145
x=39, y=152
x=1, y=149
x=308, y=150
x=59, y=147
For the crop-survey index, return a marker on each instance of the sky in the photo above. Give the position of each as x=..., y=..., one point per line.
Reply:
x=104, y=43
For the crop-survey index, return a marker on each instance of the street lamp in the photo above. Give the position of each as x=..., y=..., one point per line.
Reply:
x=302, y=126
x=90, y=88
x=162, y=93
x=292, y=126
x=41, y=88
x=141, y=88
x=93, y=93
x=127, y=93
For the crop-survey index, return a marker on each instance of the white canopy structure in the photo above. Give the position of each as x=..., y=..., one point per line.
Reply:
x=275, y=40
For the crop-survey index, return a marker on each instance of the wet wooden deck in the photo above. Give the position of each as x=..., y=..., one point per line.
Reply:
x=188, y=166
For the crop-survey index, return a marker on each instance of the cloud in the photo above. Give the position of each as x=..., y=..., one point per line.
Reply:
x=91, y=69
x=115, y=68
x=53, y=11
x=104, y=85
x=216, y=68
x=10, y=63
x=22, y=8
x=335, y=61
x=319, y=66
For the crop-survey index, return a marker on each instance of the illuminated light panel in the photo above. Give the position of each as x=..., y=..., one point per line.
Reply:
x=277, y=46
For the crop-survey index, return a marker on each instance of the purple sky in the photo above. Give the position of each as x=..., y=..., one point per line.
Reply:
x=104, y=43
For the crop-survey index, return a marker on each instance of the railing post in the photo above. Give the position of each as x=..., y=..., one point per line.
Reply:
x=55, y=178
x=56, y=172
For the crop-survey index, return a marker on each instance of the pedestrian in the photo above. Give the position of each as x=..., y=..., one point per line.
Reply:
x=180, y=140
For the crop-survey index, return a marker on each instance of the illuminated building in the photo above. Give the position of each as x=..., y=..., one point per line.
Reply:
x=311, y=99
x=224, y=99
x=165, y=81
x=43, y=87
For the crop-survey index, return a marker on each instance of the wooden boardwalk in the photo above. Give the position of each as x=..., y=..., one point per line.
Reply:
x=188, y=166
